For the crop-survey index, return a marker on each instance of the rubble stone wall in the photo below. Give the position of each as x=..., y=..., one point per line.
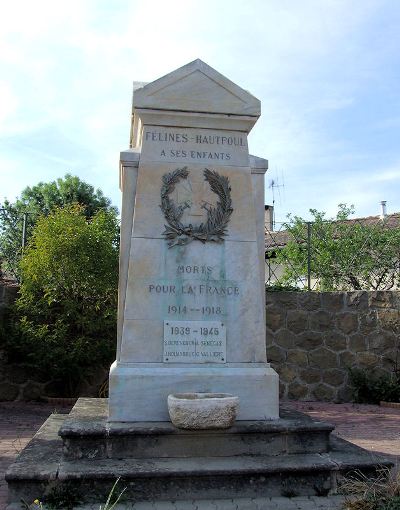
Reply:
x=8, y=294
x=314, y=338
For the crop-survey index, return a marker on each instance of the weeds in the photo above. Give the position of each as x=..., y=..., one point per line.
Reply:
x=66, y=497
x=109, y=505
x=381, y=492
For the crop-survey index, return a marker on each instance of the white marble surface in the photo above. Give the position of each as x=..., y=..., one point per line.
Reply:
x=146, y=117
x=197, y=87
x=162, y=281
x=150, y=220
x=188, y=145
x=197, y=281
x=129, y=163
x=194, y=341
x=138, y=392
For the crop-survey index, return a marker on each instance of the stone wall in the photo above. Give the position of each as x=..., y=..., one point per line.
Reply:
x=17, y=381
x=9, y=382
x=8, y=294
x=314, y=338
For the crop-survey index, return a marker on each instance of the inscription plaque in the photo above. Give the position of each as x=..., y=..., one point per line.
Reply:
x=194, y=342
x=168, y=144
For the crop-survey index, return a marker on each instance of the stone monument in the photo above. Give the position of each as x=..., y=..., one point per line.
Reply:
x=191, y=319
x=191, y=293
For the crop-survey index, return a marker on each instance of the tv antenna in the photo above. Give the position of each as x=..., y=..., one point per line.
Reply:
x=275, y=185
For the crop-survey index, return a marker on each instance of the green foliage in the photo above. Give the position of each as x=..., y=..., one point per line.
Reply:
x=41, y=200
x=392, y=504
x=62, y=497
x=344, y=254
x=65, y=316
x=371, y=389
x=67, y=497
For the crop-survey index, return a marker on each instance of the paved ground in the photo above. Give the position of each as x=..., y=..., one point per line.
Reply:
x=372, y=427
x=300, y=503
x=18, y=423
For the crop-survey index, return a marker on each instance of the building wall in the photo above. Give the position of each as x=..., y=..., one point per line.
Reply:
x=314, y=338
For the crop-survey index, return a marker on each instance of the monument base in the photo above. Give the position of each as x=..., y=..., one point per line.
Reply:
x=138, y=392
x=83, y=454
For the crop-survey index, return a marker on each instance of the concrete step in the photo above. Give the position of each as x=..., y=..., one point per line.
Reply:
x=87, y=434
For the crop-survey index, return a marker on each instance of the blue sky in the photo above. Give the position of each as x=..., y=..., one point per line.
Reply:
x=326, y=71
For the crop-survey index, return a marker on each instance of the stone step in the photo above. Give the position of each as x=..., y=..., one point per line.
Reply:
x=151, y=480
x=86, y=434
x=41, y=466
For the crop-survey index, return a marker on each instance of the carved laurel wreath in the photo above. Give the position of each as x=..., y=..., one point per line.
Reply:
x=214, y=228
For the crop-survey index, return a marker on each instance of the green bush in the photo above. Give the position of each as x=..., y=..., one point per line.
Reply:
x=371, y=389
x=346, y=254
x=65, y=317
x=38, y=200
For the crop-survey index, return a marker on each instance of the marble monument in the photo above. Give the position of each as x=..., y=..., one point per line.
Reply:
x=191, y=291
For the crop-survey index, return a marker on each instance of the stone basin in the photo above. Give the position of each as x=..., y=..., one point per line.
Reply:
x=203, y=410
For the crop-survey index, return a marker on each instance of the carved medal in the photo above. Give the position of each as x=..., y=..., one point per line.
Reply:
x=214, y=228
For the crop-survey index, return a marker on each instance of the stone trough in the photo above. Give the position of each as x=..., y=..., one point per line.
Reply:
x=203, y=410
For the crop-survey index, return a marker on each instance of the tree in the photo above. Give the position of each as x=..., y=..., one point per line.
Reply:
x=18, y=219
x=65, y=316
x=345, y=254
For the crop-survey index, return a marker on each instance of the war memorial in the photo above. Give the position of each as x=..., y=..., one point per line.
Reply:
x=191, y=343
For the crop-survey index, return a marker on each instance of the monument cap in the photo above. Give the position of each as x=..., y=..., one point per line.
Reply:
x=196, y=87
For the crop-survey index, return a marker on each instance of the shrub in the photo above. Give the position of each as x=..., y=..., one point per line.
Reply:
x=39, y=200
x=371, y=389
x=65, y=316
x=346, y=254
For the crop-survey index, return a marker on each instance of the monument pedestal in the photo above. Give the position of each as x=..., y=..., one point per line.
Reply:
x=148, y=386
x=84, y=453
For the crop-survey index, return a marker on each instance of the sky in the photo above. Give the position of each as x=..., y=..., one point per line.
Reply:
x=327, y=73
